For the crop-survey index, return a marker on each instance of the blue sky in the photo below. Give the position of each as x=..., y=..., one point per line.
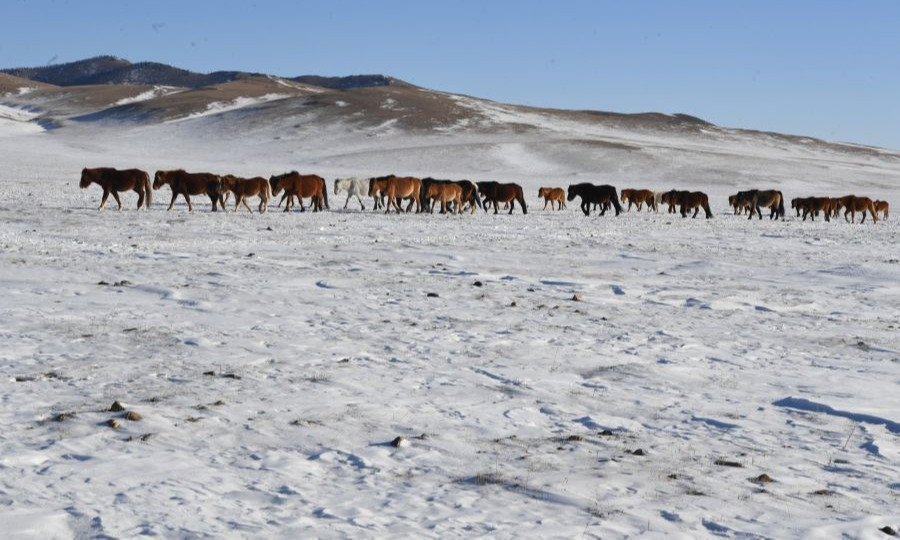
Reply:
x=822, y=68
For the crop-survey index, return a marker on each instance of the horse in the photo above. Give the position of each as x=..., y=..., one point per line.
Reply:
x=670, y=198
x=427, y=182
x=811, y=207
x=469, y=194
x=403, y=188
x=853, y=204
x=796, y=204
x=593, y=194
x=187, y=184
x=687, y=200
x=881, y=206
x=739, y=205
x=299, y=185
x=638, y=197
x=113, y=181
x=355, y=187
x=446, y=193
x=377, y=187
x=755, y=198
x=496, y=193
x=552, y=195
x=247, y=187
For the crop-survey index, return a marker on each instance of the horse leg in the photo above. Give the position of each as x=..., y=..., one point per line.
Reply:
x=115, y=195
x=140, y=193
x=361, y=205
x=188, y=199
x=104, y=199
x=696, y=211
x=244, y=202
x=546, y=200
x=172, y=202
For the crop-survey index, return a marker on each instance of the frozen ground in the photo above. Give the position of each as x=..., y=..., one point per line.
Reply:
x=273, y=358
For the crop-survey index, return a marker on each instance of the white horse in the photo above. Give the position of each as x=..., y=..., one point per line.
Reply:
x=354, y=186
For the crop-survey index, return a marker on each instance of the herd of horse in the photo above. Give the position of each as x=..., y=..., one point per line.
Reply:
x=454, y=196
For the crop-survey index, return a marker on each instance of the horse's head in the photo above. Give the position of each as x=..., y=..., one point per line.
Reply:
x=275, y=184
x=87, y=177
x=571, y=193
x=542, y=191
x=160, y=179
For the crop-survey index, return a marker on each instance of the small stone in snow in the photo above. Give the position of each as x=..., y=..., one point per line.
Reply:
x=432, y=295
x=478, y=284
x=399, y=442
x=116, y=407
x=576, y=297
x=113, y=423
x=133, y=416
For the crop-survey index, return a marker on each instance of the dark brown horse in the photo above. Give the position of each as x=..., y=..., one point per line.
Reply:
x=741, y=203
x=187, y=184
x=851, y=204
x=687, y=200
x=299, y=185
x=469, y=194
x=248, y=187
x=754, y=199
x=602, y=195
x=113, y=181
x=811, y=206
x=496, y=193
x=638, y=197
x=553, y=195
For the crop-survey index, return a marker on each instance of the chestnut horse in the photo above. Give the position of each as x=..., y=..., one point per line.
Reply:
x=593, y=194
x=552, y=195
x=377, y=189
x=299, y=185
x=853, y=204
x=687, y=200
x=187, y=184
x=403, y=187
x=638, y=197
x=446, y=193
x=248, y=187
x=881, y=206
x=496, y=193
x=113, y=181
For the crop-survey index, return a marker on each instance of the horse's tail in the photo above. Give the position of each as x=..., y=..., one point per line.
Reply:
x=520, y=195
x=325, y=194
x=780, y=204
x=706, y=208
x=615, y=201
x=148, y=191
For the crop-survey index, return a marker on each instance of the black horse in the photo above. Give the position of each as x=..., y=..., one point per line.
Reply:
x=592, y=194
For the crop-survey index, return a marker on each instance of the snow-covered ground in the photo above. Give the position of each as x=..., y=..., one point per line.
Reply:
x=713, y=378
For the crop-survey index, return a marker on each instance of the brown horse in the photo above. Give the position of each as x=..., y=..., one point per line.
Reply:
x=811, y=206
x=796, y=204
x=403, y=187
x=187, y=184
x=496, y=193
x=771, y=199
x=881, y=206
x=687, y=200
x=377, y=189
x=299, y=185
x=739, y=205
x=446, y=193
x=248, y=187
x=469, y=194
x=113, y=181
x=552, y=195
x=590, y=194
x=851, y=204
x=638, y=197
